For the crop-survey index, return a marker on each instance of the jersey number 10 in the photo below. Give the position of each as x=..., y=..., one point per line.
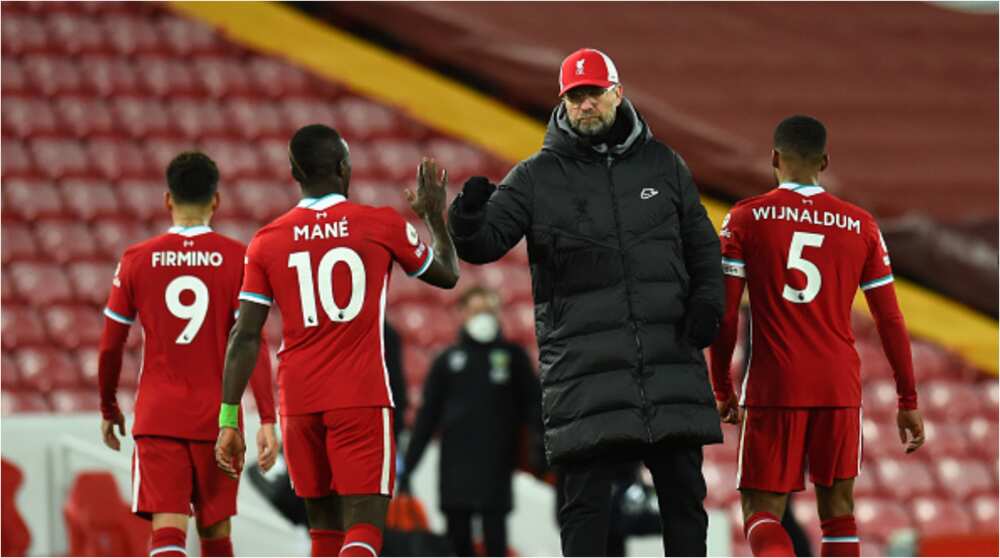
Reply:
x=814, y=280
x=302, y=262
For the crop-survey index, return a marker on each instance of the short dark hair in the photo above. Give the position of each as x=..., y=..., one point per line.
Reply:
x=192, y=177
x=316, y=152
x=477, y=290
x=803, y=135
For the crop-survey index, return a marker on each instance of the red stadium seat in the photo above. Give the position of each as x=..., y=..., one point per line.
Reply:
x=235, y=159
x=223, y=76
x=167, y=77
x=262, y=200
x=962, y=478
x=18, y=242
x=142, y=199
x=11, y=377
x=949, y=400
x=983, y=436
x=53, y=75
x=879, y=399
x=276, y=79
x=92, y=281
x=931, y=362
x=99, y=522
x=60, y=158
x=878, y=519
x=302, y=111
x=23, y=34
x=424, y=325
x=110, y=76
x=90, y=199
x=40, y=284
x=144, y=117
x=905, y=477
x=76, y=35
x=461, y=159
x=990, y=396
x=16, y=160
x=75, y=401
x=13, y=80
x=72, y=327
x=86, y=116
x=29, y=117
x=933, y=516
x=397, y=160
x=87, y=360
x=867, y=483
x=130, y=35
x=24, y=402
x=160, y=151
x=273, y=156
x=113, y=237
x=254, y=119
x=22, y=326
x=241, y=230
x=184, y=37
x=360, y=119
x=199, y=118
x=944, y=440
x=47, y=369
x=118, y=159
x=66, y=241
x=379, y=194
x=984, y=513
x=32, y=199
x=9, y=292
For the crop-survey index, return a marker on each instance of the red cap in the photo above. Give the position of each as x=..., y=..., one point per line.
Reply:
x=587, y=66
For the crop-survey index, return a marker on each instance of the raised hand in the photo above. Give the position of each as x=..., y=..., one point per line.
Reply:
x=432, y=189
x=230, y=450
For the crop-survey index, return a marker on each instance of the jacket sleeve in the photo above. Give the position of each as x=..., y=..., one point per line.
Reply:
x=429, y=415
x=499, y=225
x=702, y=254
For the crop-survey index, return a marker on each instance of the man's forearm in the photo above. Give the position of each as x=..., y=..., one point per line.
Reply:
x=241, y=357
x=444, y=249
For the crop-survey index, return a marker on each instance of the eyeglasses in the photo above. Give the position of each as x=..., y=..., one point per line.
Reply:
x=580, y=94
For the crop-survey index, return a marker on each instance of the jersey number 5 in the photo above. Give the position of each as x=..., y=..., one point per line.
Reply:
x=814, y=280
x=302, y=263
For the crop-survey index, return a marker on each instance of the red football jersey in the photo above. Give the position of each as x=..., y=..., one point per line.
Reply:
x=803, y=254
x=326, y=264
x=183, y=286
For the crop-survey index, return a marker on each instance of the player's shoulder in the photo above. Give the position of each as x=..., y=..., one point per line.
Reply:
x=851, y=209
x=747, y=204
x=145, y=246
x=228, y=243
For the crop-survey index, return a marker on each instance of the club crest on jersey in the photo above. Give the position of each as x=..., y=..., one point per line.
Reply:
x=411, y=234
x=116, y=281
x=499, y=366
x=648, y=193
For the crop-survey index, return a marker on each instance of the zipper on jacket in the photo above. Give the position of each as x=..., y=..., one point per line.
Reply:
x=628, y=299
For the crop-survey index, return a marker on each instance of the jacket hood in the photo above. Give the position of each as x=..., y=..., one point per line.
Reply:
x=561, y=138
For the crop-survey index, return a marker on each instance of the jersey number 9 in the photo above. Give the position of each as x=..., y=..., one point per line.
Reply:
x=194, y=312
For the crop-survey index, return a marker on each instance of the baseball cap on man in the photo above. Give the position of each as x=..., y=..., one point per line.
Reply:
x=587, y=66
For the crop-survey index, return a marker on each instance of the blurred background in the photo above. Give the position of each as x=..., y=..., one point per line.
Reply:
x=98, y=97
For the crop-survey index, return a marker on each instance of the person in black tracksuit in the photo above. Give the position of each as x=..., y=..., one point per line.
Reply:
x=627, y=281
x=482, y=395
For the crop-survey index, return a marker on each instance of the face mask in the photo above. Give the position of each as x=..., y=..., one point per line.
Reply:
x=483, y=327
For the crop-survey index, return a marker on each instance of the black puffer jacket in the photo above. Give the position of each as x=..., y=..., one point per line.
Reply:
x=619, y=246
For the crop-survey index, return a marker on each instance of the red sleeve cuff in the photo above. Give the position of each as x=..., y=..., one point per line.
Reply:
x=110, y=411
x=908, y=403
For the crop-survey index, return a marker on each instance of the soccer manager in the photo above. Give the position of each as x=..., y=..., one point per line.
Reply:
x=628, y=290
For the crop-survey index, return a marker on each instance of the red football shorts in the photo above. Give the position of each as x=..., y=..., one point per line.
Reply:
x=171, y=475
x=777, y=445
x=343, y=451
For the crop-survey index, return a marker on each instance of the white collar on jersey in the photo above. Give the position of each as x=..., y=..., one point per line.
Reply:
x=190, y=231
x=319, y=204
x=807, y=190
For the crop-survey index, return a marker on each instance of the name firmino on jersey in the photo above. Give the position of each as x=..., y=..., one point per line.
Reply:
x=321, y=231
x=812, y=216
x=194, y=258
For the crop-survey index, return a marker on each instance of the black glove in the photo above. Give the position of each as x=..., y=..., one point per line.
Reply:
x=701, y=324
x=475, y=193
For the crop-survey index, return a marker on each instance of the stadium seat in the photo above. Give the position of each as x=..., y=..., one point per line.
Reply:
x=92, y=281
x=397, y=159
x=10, y=295
x=75, y=401
x=131, y=35
x=29, y=117
x=142, y=199
x=461, y=159
x=99, y=522
x=931, y=362
x=381, y=194
x=302, y=111
x=167, y=77
x=65, y=240
x=867, y=483
x=242, y=230
x=935, y=516
x=984, y=513
x=235, y=159
x=905, y=477
x=254, y=119
x=12, y=78
x=89, y=199
x=982, y=433
x=11, y=377
x=40, y=284
x=17, y=160
x=72, y=327
x=76, y=35
x=879, y=399
x=143, y=117
x=222, y=77
x=85, y=117
x=989, y=391
x=276, y=79
x=23, y=34
x=53, y=75
x=879, y=518
x=160, y=151
x=60, y=158
x=113, y=237
x=184, y=37
x=118, y=159
x=197, y=118
x=962, y=478
x=273, y=156
x=424, y=325
x=944, y=440
x=44, y=369
x=948, y=400
x=261, y=200
x=18, y=242
x=29, y=401
x=31, y=199
x=110, y=75
x=22, y=327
